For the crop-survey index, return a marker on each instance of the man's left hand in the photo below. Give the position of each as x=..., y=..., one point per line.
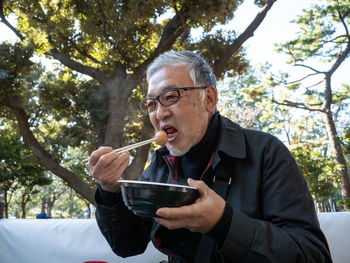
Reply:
x=200, y=216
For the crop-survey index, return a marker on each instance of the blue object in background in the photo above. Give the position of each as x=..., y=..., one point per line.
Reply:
x=42, y=216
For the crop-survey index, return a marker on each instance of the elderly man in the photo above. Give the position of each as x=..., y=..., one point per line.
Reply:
x=254, y=204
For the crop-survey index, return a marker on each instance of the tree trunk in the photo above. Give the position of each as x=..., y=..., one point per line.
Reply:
x=43, y=204
x=25, y=198
x=337, y=153
x=119, y=89
x=50, y=202
x=326, y=112
x=6, y=205
x=6, y=201
x=331, y=129
x=2, y=204
x=141, y=157
x=49, y=208
x=23, y=208
x=72, y=180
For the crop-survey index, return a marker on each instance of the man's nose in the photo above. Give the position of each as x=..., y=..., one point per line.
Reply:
x=162, y=111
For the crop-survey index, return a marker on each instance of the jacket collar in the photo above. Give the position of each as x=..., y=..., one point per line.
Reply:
x=231, y=140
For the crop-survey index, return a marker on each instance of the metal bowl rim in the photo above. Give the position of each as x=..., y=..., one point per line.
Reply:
x=126, y=182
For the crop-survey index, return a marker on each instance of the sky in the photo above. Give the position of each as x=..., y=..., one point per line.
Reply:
x=276, y=28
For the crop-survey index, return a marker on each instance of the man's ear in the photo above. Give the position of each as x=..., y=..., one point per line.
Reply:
x=211, y=96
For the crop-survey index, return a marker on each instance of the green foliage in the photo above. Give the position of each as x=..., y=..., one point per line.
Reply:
x=77, y=110
x=65, y=202
x=104, y=33
x=17, y=165
x=320, y=172
x=67, y=113
x=321, y=32
x=60, y=113
x=17, y=71
x=304, y=133
x=233, y=101
x=214, y=44
x=19, y=171
x=346, y=141
x=247, y=99
x=323, y=38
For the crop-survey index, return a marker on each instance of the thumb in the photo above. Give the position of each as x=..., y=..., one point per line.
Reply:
x=199, y=184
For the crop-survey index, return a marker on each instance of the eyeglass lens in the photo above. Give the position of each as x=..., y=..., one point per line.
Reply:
x=166, y=98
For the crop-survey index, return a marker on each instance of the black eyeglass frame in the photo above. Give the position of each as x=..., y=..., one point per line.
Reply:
x=165, y=91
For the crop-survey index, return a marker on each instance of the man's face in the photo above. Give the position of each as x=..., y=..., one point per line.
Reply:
x=185, y=121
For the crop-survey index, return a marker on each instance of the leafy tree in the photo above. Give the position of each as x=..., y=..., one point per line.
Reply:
x=19, y=171
x=57, y=200
x=246, y=99
x=20, y=104
x=346, y=141
x=304, y=135
x=321, y=173
x=325, y=36
x=69, y=204
x=113, y=42
x=234, y=105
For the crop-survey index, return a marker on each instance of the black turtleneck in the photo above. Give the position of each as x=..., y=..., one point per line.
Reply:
x=193, y=163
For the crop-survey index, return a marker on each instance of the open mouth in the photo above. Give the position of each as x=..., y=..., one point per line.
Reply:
x=171, y=131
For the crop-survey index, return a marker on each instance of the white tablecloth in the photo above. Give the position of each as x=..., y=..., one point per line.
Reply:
x=60, y=241
x=79, y=240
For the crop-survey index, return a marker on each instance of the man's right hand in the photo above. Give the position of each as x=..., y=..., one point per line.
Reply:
x=107, y=167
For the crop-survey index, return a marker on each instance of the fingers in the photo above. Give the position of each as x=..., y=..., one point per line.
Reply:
x=200, y=185
x=176, y=212
x=107, y=167
x=200, y=216
x=174, y=218
x=110, y=165
x=189, y=210
x=95, y=156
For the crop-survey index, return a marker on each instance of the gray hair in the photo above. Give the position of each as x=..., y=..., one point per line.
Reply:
x=200, y=72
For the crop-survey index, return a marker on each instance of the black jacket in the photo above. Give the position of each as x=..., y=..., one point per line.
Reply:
x=273, y=216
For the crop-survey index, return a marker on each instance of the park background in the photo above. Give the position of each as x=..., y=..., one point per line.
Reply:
x=71, y=76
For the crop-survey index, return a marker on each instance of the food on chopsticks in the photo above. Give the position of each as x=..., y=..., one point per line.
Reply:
x=161, y=138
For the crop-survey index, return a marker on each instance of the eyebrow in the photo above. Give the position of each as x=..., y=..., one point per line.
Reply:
x=169, y=87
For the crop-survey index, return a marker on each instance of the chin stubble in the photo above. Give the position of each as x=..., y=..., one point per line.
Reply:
x=178, y=152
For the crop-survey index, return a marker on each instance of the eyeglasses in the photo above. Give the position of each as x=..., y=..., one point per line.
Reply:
x=166, y=98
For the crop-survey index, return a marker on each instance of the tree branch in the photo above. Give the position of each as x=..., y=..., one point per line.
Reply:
x=298, y=105
x=104, y=20
x=333, y=40
x=90, y=71
x=172, y=30
x=314, y=85
x=340, y=59
x=308, y=67
x=45, y=158
x=75, y=46
x=4, y=20
x=305, y=77
x=221, y=62
x=344, y=24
